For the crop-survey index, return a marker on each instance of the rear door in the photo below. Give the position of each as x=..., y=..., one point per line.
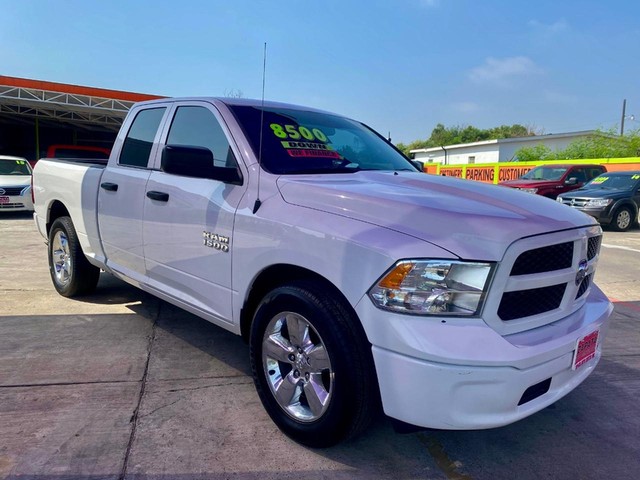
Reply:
x=188, y=224
x=122, y=191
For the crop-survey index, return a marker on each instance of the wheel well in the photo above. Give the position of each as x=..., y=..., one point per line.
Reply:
x=56, y=210
x=272, y=277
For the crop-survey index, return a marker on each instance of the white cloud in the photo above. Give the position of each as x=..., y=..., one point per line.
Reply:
x=429, y=3
x=466, y=107
x=501, y=70
x=559, y=97
x=549, y=28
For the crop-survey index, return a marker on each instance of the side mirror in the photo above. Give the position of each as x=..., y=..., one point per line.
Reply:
x=571, y=181
x=418, y=165
x=196, y=162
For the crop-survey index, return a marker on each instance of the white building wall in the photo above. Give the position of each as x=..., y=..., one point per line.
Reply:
x=509, y=149
x=460, y=155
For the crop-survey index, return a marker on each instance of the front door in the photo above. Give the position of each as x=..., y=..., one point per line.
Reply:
x=188, y=226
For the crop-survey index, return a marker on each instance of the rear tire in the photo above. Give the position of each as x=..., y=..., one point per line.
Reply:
x=312, y=365
x=71, y=272
x=622, y=220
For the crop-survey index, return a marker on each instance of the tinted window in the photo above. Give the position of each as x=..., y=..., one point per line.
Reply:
x=198, y=127
x=137, y=145
x=299, y=141
x=614, y=181
x=14, y=167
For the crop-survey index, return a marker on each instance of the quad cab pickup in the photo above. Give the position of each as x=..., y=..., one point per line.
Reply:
x=357, y=280
x=553, y=180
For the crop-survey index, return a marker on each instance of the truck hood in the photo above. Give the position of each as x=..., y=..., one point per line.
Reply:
x=614, y=194
x=470, y=219
x=530, y=183
x=15, y=180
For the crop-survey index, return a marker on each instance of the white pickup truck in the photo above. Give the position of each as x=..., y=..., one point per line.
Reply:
x=357, y=280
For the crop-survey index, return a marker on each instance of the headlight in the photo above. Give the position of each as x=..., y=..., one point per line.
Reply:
x=559, y=199
x=433, y=287
x=598, y=202
x=529, y=190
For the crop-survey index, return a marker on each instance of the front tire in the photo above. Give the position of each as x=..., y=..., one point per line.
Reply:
x=312, y=365
x=71, y=272
x=622, y=220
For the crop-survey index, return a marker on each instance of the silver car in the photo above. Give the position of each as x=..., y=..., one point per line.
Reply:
x=15, y=184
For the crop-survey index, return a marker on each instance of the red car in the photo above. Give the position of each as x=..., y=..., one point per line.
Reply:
x=552, y=180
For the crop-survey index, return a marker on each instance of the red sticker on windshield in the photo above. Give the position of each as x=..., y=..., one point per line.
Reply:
x=299, y=152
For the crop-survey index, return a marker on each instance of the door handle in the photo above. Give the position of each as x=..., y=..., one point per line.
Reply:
x=112, y=187
x=160, y=196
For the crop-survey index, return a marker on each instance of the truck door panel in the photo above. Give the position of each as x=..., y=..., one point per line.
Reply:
x=188, y=239
x=122, y=193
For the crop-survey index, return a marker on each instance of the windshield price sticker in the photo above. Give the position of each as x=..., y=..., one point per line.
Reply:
x=301, y=141
x=635, y=177
x=298, y=133
x=600, y=180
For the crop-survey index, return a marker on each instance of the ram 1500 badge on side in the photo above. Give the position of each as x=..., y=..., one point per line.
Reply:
x=356, y=279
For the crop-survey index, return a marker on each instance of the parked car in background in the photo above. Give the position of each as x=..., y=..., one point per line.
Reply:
x=15, y=184
x=78, y=151
x=612, y=199
x=553, y=180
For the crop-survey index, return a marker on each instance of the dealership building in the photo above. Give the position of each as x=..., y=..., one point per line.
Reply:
x=36, y=114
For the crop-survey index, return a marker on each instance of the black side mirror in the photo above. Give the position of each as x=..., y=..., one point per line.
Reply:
x=190, y=161
x=419, y=165
x=571, y=181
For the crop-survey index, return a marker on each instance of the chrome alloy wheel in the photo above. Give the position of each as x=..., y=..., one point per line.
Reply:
x=297, y=367
x=623, y=219
x=61, y=258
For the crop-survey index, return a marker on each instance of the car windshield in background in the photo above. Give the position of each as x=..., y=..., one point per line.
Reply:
x=613, y=181
x=14, y=167
x=544, y=173
x=299, y=142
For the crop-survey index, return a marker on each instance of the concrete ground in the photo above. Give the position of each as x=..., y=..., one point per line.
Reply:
x=122, y=385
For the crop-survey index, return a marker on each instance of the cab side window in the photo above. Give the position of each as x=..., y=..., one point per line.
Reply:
x=137, y=145
x=580, y=174
x=198, y=127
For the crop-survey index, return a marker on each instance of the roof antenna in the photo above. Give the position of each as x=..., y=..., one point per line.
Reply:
x=256, y=205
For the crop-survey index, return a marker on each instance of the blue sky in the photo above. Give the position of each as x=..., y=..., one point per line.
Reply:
x=401, y=66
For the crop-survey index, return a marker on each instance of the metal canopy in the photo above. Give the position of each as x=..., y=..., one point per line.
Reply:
x=69, y=104
x=69, y=108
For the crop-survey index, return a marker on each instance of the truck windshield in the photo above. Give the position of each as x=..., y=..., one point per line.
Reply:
x=545, y=173
x=613, y=181
x=14, y=167
x=299, y=142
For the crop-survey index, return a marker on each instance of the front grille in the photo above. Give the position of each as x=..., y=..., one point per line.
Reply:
x=584, y=286
x=544, y=259
x=526, y=303
x=594, y=247
x=535, y=282
x=575, y=202
x=12, y=191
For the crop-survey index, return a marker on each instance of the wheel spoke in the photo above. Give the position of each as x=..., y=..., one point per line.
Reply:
x=316, y=394
x=285, y=390
x=318, y=358
x=278, y=348
x=298, y=331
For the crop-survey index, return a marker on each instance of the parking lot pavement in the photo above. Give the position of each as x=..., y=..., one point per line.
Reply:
x=122, y=385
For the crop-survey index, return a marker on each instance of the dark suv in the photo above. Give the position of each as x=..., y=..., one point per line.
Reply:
x=612, y=198
x=553, y=180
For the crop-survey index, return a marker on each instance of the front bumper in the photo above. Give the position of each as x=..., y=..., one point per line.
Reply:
x=461, y=374
x=602, y=214
x=17, y=203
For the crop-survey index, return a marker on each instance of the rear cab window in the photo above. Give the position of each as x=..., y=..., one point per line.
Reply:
x=138, y=143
